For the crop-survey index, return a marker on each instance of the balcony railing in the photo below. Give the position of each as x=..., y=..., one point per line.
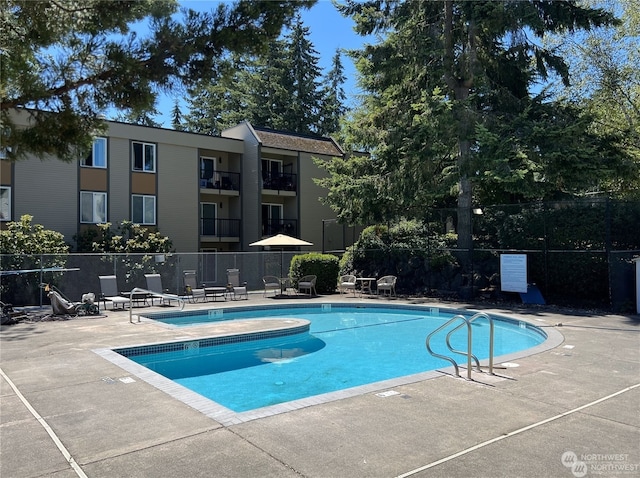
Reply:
x=222, y=180
x=220, y=227
x=280, y=182
x=280, y=226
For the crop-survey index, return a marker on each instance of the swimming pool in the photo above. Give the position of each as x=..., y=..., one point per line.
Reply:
x=329, y=348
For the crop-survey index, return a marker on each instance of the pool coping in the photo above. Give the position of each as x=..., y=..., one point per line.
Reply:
x=228, y=417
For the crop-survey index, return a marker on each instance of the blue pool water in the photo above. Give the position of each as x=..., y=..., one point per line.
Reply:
x=345, y=347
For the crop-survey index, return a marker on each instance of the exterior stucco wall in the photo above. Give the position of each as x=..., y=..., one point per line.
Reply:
x=312, y=212
x=48, y=190
x=251, y=189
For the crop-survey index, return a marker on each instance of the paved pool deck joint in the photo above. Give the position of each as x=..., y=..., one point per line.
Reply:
x=569, y=409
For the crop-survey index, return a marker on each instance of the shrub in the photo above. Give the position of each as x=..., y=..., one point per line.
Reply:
x=134, y=247
x=29, y=246
x=421, y=260
x=324, y=266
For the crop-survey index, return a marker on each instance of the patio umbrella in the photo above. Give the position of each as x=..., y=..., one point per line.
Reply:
x=282, y=241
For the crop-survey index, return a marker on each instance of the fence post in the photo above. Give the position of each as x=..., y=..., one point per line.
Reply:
x=607, y=247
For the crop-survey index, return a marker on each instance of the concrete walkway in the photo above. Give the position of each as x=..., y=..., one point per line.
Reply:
x=571, y=411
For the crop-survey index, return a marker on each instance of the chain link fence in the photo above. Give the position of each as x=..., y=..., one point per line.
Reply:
x=579, y=253
x=77, y=274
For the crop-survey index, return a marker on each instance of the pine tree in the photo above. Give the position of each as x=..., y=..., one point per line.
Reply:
x=280, y=89
x=224, y=102
x=100, y=62
x=176, y=117
x=270, y=84
x=333, y=98
x=444, y=70
x=142, y=117
x=303, y=112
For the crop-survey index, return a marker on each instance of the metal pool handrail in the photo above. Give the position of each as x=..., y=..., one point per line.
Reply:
x=490, y=320
x=137, y=290
x=444, y=357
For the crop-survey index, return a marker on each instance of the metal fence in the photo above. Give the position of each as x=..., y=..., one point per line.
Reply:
x=579, y=253
x=76, y=274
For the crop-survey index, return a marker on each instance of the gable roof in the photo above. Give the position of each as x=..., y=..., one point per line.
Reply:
x=297, y=142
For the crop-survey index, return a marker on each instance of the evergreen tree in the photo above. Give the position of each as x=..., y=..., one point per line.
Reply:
x=302, y=114
x=333, y=98
x=142, y=117
x=224, y=102
x=270, y=84
x=176, y=117
x=78, y=59
x=446, y=72
x=280, y=89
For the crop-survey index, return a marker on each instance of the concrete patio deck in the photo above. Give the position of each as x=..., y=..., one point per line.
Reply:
x=571, y=411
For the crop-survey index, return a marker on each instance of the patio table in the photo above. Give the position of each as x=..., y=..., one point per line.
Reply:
x=215, y=292
x=365, y=284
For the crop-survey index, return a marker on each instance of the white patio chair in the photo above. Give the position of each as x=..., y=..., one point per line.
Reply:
x=346, y=283
x=386, y=285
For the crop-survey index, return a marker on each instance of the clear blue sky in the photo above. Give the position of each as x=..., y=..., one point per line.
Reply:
x=328, y=31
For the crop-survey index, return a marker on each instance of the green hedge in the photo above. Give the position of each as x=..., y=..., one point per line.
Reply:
x=408, y=250
x=324, y=266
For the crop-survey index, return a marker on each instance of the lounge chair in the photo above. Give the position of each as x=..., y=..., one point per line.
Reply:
x=233, y=278
x=154, y=285
x=386, y=284
x=109, y=292
x=191, y=289
x=346, y=283
x=271, y=283
x=308, y=283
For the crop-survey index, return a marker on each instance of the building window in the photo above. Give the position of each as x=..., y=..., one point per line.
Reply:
x=97, y=158
x=271, y=219
x=208, y=213
x=207, y=172
x=271, y=173
x=143, y=209
x=5, y=203
x=93, y=207
x=144, y=157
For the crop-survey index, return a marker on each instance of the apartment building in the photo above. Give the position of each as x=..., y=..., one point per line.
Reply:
x=206, y=193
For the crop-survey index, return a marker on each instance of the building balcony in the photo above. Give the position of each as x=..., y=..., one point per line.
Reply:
x=280, y=182
x=220, y=229
x=222, y=182
x=280, y=226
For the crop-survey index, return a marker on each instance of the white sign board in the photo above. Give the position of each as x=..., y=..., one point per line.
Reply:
x=513, y=272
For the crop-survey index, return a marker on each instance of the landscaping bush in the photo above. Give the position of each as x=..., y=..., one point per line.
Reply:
x=324, y=266
x=127, y=241
x=420, y=259
x=29, y=246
